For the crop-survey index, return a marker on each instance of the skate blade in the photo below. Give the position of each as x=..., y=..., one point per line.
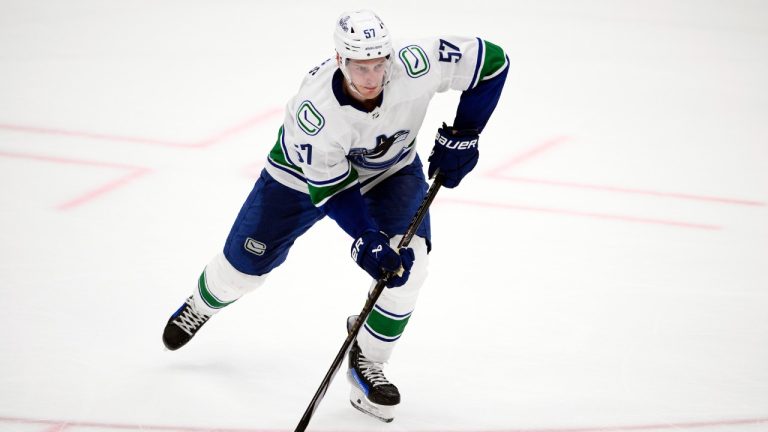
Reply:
x=361, y=403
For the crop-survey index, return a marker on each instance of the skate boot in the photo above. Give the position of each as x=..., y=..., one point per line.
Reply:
x=183, y=325
x=371, y=392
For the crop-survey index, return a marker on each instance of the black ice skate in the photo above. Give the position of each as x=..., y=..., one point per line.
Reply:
x=183, y=325
x=371, y=392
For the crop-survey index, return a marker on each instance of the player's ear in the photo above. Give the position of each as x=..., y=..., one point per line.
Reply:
x=338, y=60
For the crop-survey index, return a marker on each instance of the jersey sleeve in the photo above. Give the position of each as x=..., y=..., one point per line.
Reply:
x=465, y=62
x=317, y=151
x=476, y=67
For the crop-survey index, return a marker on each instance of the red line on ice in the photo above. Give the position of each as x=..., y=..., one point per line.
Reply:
x=64, y=160
x=133, y=173
x=202, y=143
x=528, y=154
x=623, y=218
x=233, y=130
x=498, y=173
x=91, y=135
x=103, y=189
x=56, y=427
x=682, y=196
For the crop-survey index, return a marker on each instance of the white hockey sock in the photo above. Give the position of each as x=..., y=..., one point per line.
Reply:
x=220, y=284
x=392, y=311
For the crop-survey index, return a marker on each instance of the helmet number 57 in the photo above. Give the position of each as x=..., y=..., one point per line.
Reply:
x=369, y=33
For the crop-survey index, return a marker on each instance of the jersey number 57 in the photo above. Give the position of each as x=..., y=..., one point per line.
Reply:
x=304, y=151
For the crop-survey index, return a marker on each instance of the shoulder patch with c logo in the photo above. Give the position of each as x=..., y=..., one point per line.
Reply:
x=309, y=118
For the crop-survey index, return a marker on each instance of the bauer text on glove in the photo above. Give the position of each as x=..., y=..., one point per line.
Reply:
x=455, y=154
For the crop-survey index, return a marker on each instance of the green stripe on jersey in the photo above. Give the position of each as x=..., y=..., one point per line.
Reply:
x=277, y=155
x=386, y=326
x=207, y=296
x=494, y=60
x=320, y=194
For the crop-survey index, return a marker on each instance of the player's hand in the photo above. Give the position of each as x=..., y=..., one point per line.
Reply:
x=371, y=251
x=455, y=154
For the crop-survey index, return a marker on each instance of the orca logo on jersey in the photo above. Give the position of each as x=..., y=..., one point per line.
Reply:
x=415, y=60
x=383, y=143
x=367, y=158
x=454, y=144
x=255, y=247
x=309, y=118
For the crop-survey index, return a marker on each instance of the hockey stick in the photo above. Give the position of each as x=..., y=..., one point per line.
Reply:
x=373, y=296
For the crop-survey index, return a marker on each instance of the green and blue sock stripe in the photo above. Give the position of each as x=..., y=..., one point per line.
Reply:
x=211, y=300
x=386, y=326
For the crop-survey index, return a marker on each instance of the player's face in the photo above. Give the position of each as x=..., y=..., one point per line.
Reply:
x=368, y=76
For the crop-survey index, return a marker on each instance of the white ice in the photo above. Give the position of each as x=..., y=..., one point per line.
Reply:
x=605, y=268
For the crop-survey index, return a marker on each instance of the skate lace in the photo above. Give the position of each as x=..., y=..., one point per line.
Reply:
x=372, y=371
x=190, y=319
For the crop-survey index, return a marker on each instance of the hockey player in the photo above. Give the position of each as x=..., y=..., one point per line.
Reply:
x=346, y=150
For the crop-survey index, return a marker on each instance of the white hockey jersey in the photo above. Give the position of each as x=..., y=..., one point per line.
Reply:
x=325, y=147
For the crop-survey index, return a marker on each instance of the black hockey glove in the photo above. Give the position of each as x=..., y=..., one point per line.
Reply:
x=455, y=154
x=371, y=251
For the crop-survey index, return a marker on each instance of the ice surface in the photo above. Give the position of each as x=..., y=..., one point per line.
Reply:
x=605, y=268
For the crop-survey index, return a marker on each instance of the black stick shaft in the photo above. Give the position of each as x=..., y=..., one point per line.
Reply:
x=373, y=296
